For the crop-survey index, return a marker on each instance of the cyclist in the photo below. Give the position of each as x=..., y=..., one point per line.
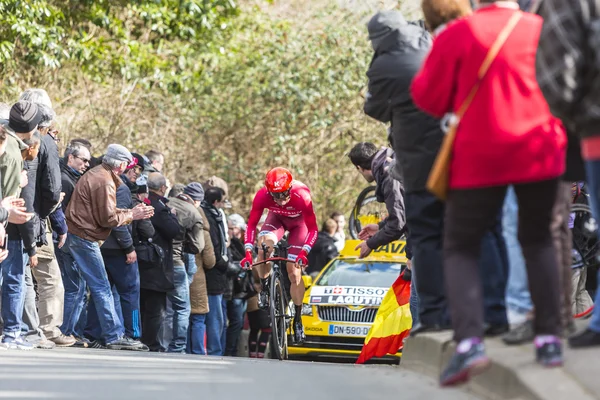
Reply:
x=290, y=208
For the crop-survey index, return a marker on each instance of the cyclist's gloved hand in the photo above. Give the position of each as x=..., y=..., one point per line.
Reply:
x=246, y=262
x=301, y=259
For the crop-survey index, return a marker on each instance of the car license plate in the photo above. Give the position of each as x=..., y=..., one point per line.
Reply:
x=348, y=330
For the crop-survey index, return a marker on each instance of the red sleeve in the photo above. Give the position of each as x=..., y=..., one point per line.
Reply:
x=433, y=87
x=310, y=219
x=258, y=206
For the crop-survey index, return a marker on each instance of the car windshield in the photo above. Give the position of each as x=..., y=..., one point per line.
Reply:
x=371, y=274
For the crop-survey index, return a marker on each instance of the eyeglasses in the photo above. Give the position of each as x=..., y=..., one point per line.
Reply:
x=280, y=195
x=85, y=160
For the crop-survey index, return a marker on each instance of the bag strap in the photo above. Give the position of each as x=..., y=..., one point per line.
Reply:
x=489, y=58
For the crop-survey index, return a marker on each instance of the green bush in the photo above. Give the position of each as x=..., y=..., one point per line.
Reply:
x=222, y=89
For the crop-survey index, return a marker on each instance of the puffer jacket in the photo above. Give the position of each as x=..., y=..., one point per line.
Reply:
x=205, y=260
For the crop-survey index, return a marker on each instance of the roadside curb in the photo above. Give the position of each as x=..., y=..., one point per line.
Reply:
x=513, y=374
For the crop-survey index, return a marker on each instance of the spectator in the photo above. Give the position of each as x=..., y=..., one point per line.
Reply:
x=23, y=121
x=240, y=287
x=156, y=160
x=215, y=181
x=120, y=259
x=75, y=162
x=91, y=215
x=156, y=272
x=216, y=278
x=324, y=249
x=572, y=96
x=198, y=293
x=372, y=164
x=45, y=319
x=339, y=236
x=516, y=121
x=189, y=241
x=260, y=324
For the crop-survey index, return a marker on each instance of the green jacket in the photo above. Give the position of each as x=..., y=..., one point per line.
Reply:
x=11, y=165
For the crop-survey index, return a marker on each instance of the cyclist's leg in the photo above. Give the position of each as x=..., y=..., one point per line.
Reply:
x=296, y=239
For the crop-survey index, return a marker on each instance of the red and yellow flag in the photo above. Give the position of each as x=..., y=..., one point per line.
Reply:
x=392, y=323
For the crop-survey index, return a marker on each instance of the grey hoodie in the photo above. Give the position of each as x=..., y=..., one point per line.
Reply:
x=400, y=49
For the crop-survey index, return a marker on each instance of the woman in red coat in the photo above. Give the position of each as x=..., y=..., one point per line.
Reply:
x=506, y=137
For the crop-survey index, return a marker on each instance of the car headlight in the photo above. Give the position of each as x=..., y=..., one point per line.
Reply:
x=307, y=309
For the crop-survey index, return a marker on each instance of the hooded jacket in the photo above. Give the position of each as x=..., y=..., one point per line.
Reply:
x=390, y=192
x=400, y=49
x=216, y=278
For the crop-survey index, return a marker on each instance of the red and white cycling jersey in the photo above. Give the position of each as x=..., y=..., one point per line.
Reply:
x=299, y=210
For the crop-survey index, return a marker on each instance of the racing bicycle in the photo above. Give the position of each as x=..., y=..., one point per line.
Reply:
x=280, y=305
x=586, y=243
x=367, y=210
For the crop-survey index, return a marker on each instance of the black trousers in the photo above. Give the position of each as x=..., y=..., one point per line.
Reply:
x=469, y=214
x=153, y=306
x=425, y=219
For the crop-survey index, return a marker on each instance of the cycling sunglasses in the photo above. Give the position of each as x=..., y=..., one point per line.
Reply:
x=280, y=195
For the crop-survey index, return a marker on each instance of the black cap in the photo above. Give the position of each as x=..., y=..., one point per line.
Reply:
x=24, y=117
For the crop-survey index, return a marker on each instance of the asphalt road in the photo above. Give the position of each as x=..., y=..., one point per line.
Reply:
x=104, y=374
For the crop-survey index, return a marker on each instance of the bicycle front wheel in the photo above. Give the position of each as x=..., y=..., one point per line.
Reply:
x=278, y=318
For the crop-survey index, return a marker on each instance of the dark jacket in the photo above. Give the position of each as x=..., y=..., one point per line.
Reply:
x=69, y=178
x=142, y=229
x=552, y=81
x=120, y=241
x=30, y=230
x=48, y=178
x=390, y=192
x=321, y=253
x=160, y=277
x=191, y=238
x=240, y=282
x=216, y=278
x=399, y=53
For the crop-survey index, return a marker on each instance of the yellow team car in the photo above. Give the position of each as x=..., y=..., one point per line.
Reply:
x=340, y=306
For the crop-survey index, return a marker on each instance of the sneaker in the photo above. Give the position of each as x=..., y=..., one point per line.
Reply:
x=299, y=336
x=463, y=366
x=496, y=330
x=549, y=354
x=263, y=299
x=96, y=344
x=587, y=338
x=64, y=341
x=18, y=343
x=126, y=343
x=43, y=344
x=81, y=342
x=521, y=334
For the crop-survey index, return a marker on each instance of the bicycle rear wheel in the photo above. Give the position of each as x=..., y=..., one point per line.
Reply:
x=278, y=317
x=367, y=210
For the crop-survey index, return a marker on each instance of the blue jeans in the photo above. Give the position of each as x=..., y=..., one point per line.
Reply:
x=89, y=259
x=75, y=290
x=225, y=319
x=180, y=302
x=190, y=266
x=214, y=325
x=196, y=334
x=13, y=289
x=125, y=279
x=518, y=298
x=235, y=313
x=414, y=297
x=592, y=169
